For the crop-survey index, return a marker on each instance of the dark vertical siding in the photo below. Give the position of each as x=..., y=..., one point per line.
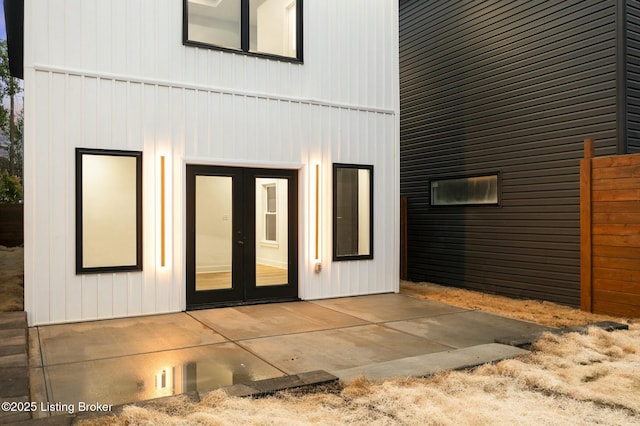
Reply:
x=513, y=87
x=633, y=75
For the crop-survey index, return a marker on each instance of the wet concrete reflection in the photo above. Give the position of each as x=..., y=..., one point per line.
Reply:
x=138, y=377
x=86, y=341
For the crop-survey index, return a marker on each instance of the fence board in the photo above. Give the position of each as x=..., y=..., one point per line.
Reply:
x=627, y=287
x=617, y=172
x=617, y=297
x=621, y=252
x=616, y=263
x=629, y=206
x=611, y=239
x=622, y=183
x=615, y=161
x=615, y=217
x=617, y=309
x=616, y=229
x=11, y=225
x=616, y=195
x=612, y=274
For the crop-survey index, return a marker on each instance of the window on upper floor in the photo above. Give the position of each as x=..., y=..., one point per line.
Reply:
x=262, y=27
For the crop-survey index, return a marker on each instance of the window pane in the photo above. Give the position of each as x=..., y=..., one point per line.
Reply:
x=271, y=199
x=471, y=190
x=215, y=22
x=214, y=235
x=273, y=26
x=272, y=252
x=270, y=227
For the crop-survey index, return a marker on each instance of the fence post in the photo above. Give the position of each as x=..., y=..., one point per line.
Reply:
x=586, y=286
x=403, y=238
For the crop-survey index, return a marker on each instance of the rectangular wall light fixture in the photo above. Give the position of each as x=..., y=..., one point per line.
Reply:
x=317, y=239
x=162, y=213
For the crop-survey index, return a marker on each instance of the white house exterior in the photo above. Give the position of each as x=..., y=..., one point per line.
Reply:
x=116, y=75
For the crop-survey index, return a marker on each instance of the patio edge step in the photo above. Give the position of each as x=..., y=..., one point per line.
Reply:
x=430, y=364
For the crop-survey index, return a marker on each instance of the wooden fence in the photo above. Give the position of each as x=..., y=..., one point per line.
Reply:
x=610, y=233
x=11, y=225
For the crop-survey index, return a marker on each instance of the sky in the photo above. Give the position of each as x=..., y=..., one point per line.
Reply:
x=3, y=29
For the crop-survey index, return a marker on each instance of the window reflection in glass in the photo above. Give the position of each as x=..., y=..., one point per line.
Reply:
x=467, y=190
x=215, y=22
x=353, y=215
x=272, y=27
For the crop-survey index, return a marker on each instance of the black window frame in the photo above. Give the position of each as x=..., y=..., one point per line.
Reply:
x=244, y=34
x=335, y=256
x=79, y=185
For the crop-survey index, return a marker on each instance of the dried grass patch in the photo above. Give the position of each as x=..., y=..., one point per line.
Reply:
x=602, y=367
x=541, y=312
x=568, y=380
x=11, y=279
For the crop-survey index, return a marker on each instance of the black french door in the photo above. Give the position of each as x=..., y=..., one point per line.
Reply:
x=241, y=235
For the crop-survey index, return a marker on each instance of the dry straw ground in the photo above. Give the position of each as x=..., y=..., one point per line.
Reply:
x=570, y=380
x=11, y=279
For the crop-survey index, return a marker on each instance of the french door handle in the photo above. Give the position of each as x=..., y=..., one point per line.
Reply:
x=240, y=242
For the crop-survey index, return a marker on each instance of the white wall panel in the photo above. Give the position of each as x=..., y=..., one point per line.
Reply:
x=57, y=210
x=119, y=77
x=38, y=203
x=72, y=117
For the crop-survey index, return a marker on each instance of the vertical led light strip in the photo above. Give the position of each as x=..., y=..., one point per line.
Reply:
x=317, y=253
x=162, y=213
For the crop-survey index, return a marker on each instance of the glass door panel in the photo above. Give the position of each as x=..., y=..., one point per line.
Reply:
x=272, y=238
x=213, y=232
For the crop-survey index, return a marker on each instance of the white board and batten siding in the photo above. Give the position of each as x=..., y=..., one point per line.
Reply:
x=114, y=74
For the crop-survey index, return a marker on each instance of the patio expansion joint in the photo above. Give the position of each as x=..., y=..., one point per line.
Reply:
x=462, y=310
x=136, y=354
x=204, y=324
x=337, y=327
x=384, y=324
x=46, y=382
x=305, y=332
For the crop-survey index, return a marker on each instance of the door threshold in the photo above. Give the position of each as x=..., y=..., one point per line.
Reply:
x=229, y=304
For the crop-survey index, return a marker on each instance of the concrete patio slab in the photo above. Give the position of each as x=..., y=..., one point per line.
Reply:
x=340, y=348
x=429, y=364
x=128, y=336
x=462, y=329
x=387, y=307
x=135, y=359
x=248, y=322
